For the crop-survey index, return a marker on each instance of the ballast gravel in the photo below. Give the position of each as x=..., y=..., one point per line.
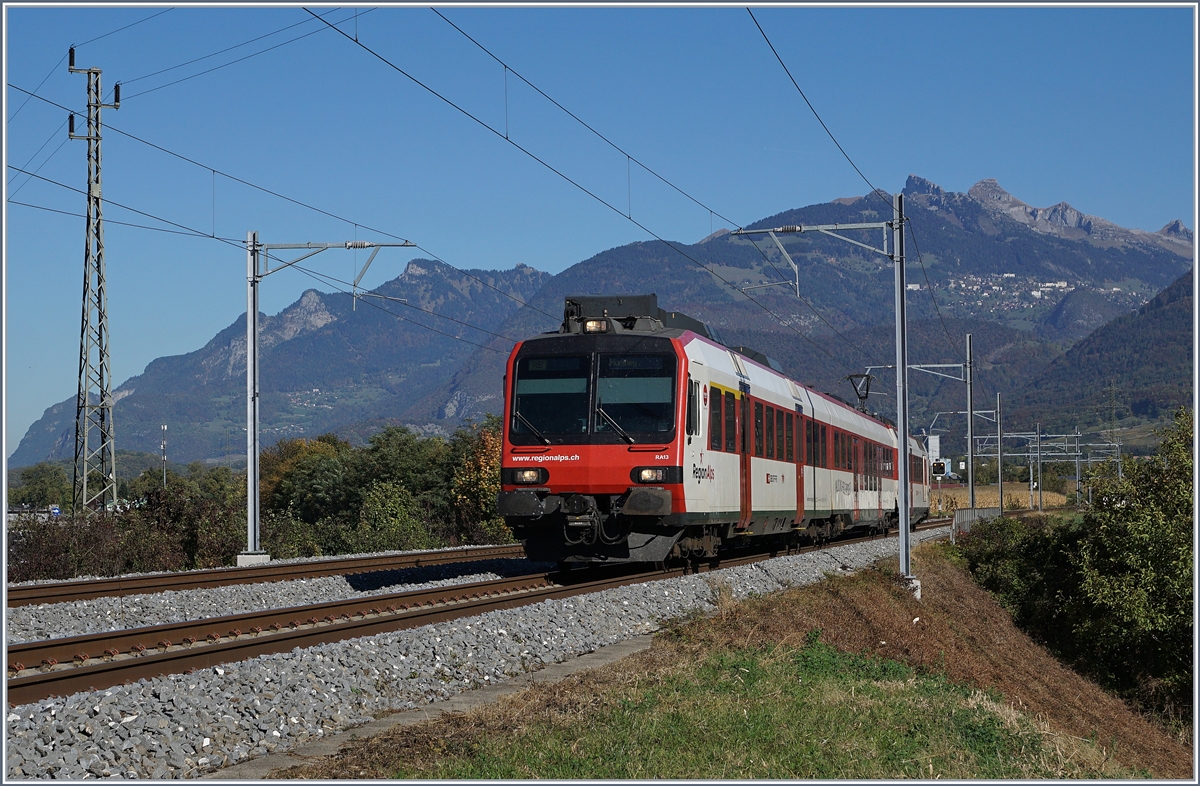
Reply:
x=59, y=620
x=180, y=726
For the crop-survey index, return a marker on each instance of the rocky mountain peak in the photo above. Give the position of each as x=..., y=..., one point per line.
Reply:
x=919, y=185
x=1177, y=231
x=989, y=191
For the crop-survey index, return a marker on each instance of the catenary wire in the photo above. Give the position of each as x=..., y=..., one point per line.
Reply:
x=795, y=84
x=576, y=118
x=640, y=163
x=241, y=244
x=912, y=230
x=585, y=190
x=298, y=203
x=874, y=190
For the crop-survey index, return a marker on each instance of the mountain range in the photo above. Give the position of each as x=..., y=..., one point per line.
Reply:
x=1032, y=286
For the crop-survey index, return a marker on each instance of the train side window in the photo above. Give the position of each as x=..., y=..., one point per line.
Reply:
x=758, y=428
x=730, y=423
x=837, y=450
x=714, y=419
x=823, y=451
x=791, y=454
x=780, y=435
x=693, y=407
x=770, y=432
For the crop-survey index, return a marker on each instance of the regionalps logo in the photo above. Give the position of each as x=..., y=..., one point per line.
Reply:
x=703, y=473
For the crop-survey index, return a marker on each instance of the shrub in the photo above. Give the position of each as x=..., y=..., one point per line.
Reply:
x=1110, y=592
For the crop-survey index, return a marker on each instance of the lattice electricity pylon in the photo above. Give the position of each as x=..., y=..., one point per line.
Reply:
x=95, y=454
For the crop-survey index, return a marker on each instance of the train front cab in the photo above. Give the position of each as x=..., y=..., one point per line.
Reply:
x=592, y=468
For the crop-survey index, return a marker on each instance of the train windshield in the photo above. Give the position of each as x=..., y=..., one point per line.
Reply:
x=636, y=394
x=552, y=395
x=602, y=397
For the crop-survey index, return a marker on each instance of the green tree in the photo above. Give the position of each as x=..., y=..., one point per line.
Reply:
x=42, y=485
x=1109, y=592
x=390, y=520
x=1135, y=564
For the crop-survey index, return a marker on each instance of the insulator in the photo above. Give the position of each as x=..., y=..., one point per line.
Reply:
x=71, y=57
x=359, y=244
x=792, y=228
x=71, y=124
x=117, y=93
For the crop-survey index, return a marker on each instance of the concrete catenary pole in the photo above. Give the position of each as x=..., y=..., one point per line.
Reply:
x=1000, y=454
x=904, y=500
x=970, y=430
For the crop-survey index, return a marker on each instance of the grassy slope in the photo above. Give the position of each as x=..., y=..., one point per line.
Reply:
x=944, y=687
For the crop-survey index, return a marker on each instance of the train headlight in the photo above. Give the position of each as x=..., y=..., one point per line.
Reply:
x=524, y=477
x=595, y=326
x=652, y=475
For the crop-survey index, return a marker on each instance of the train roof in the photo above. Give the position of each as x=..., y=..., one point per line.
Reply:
x=641, y=315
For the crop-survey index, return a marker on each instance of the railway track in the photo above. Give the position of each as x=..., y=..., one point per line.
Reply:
x=59, y=667
x=67, y=591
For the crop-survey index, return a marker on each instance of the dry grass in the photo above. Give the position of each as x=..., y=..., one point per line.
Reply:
x=956, y=629
x=1016, y=497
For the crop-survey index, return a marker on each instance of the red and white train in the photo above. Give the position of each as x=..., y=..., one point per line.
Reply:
x=634, y=435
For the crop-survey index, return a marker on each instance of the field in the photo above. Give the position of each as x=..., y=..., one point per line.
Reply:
x=1016, y=497
x=851, y=678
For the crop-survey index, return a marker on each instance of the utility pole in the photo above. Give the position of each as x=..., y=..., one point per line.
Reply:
x=95, y=481
x=904, y=502
x=970, y=429
x=896, y=227
x=1039, y=462
x=258, y=267
x=164, y=454
x=1000, y=454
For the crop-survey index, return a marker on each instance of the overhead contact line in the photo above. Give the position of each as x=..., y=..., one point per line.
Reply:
x=585, y=190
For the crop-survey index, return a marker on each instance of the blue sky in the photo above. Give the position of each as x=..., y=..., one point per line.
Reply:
x=1092, y=106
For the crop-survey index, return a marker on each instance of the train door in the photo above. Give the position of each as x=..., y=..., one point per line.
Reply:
x=856, y=469
x=745, y=427
x=796, y=442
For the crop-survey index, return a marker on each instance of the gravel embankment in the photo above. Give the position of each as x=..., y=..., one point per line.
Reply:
x=182, y=725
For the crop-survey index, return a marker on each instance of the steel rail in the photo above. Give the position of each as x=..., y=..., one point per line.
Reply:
x=87, y=589
x=97, y=661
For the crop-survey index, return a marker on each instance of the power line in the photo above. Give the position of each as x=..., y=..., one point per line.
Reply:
x=874, y=190
x=418, y=308
x=574, y=117
x=85, y=43
x=629, y=157
x=223, y=51
x=296, y=202
x=189, y=233
x=240, y=244
x=912, y=230
x=240, y=59
x=321, y=277
x=581, y=187
x=813, y=308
